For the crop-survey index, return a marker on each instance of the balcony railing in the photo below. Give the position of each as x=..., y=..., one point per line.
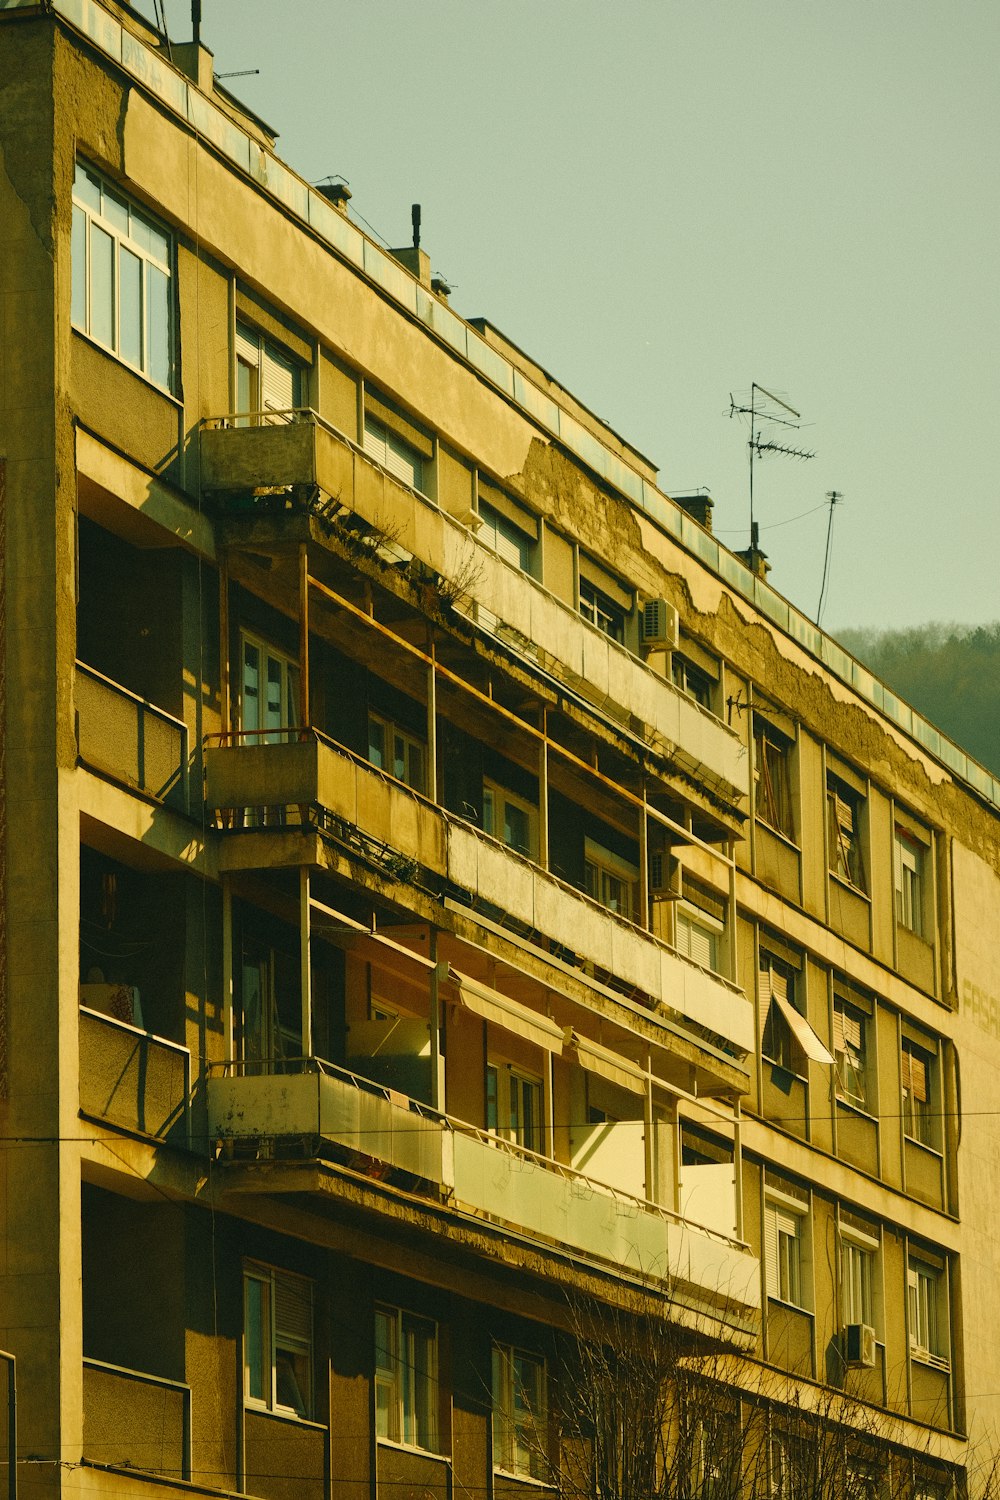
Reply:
x=315, y=772
x=124, y=736
x=132, y=1079
x=256, y=461
x=485, y=1177
x=133, y=1420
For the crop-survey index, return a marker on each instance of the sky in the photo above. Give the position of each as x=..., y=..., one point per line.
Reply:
x=664, y=201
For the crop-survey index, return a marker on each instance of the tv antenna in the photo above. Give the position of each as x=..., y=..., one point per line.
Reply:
x=833, y=498
x=770, y=411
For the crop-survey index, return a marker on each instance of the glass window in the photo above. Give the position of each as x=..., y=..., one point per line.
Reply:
x=514, y=1106
x=778, y=984
x=269, y=694
x=122, y=271
x=504, y=538
x=783, y=1245
x=519, y=1413
x=846, y=857
x=917, y=1078
x=601, y=611
x=697, y=935
x=857, y=1269
x=510, y=819
x=923, y=1294
x=691, y=680
x=269, y=382
x=908, y=868
x=773, y=753
x=277, y=1340
x=610, y=880
x=397, y=751
x=850, y=1027
x=406, y=1385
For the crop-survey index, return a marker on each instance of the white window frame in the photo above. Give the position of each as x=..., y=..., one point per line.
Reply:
x=923, y=1293
x=402, y=1389
x=393, y=738
x=698, y=935
x=918, y=1084
x=785, y=1244
x=506, y=1115
x=101, y=207
x=496, y=800
x=774, y=803
x=520, y=1428
x=600, y=610
x=288, y=688
x=859, y=1269
x=909, y=860
x=279, y=1339
x=850, y=1050
x=691, y=680
x=606, y=872
x=267, y=365
x=846, y=855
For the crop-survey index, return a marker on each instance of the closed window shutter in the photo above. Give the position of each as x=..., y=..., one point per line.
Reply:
x=374, y=440
x=247, y=345
x=293, y=1309
x=772, y=982
x=852, y=1030
x=771, y=1248
x=916, y=1081
x=278, y=381
x=696, y=940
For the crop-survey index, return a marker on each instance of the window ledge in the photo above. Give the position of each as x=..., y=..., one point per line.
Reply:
x=860, y=1110
x=784, y=838
x=850, y=887
x=806, y=1312
x=281, y=1414
x=773, y=1062
x=431, y=1453
x=538, y=1484
x=912, y=1140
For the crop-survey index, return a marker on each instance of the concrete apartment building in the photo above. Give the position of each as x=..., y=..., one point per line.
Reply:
x=442, y=887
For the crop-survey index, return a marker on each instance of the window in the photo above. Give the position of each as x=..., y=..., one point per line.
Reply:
x=504, y=538
x=691, y=680
x=277, y=1340
x=777, y=988
x=780, y=1473
x=844, y=807
x=609, y=879
x=923, y=1300
x=519, y=1413
x=269, y=382
x=849, y=1037
x=269, y=693
x=784, y=1226
x=510, y=819
x=396, y=751
x=773, y=752
x=270, y=1003
x=601, y=611
x=406, y=1386
x=122, y=273
x=917, y=1068
x=697, y=935
x=514, y=1103
x=857, y=1271
x=393, y=452
x=908, y=865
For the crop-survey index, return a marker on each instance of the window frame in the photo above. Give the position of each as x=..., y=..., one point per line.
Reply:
x=506, y=1425
x=276, y=1341
x=845, y=841
x=498, y=798
x=924, y=1292
x=137, y=242
x=506, y=1116
x=411, y=742
x=597, y=607
x=600, y=866
x=786, y=1278
x=403, y=460
x=909, y=867
x=859, y=1293
x=289, y=680
x=918, y=1072
x=773, y=1022
x=255, y=411
x=851, y=1058
x=404, y=1391
x=501, y=536
x=774, y=803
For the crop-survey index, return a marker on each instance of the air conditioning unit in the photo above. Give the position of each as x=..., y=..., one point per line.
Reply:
x=859, y=1345
x=664, y=875
x=659, y=625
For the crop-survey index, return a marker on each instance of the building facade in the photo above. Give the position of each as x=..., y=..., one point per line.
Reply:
x=443, y=889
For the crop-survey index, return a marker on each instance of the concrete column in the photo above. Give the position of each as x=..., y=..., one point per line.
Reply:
x=304, y=635
x=543, y=793
x=305, y=965
x=432, y=776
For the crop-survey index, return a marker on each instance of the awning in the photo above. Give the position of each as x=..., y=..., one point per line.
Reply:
x=501, y=1010
x=607, y=1064
x=803, y=1033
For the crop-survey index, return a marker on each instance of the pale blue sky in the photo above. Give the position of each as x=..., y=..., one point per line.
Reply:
x=664, y=200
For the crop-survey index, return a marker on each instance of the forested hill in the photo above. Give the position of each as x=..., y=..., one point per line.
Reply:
x=951, y=673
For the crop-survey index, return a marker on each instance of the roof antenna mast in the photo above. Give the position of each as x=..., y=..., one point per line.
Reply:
x=196, y=22
x=415, y=219
x=767, y=408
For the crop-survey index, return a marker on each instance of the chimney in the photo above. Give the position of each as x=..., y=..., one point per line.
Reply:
x=699, y=507
x=416, y=261
x=197, y=62
x=337, y=193
x=440, y=288
x=755, y=559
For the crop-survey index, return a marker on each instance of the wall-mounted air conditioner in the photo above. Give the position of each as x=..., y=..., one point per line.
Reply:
x=859, y=1345
x=664, y=875
x=659, y=625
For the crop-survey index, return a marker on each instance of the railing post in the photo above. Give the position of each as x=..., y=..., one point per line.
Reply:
x=11, y=1362
x=432, y=775
x=305, y=981
x=304, y=635
x=224, y=689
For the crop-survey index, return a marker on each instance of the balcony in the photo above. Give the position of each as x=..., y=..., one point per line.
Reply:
x=133, y=1420
x=317, y=773
x=487, y=1179
x=122, y=736
x=252, y=463
x=131, y=1079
